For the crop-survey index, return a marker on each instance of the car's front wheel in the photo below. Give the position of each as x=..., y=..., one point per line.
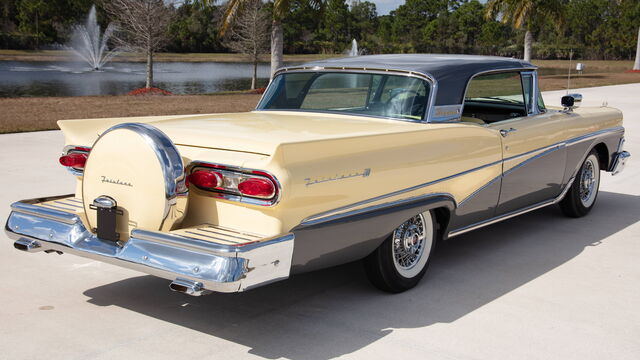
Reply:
x=582, y=195
x=402, y=259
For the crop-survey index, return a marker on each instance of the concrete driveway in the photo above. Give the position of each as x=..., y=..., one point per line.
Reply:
x=540, y=286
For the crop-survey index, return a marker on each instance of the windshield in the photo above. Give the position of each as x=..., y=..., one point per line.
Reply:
x=391, y=96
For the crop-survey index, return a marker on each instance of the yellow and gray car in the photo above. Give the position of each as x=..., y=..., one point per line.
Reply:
x=373, y=158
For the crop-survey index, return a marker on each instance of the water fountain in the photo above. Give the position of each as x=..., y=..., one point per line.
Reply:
x=354, y=48
x=89, y=44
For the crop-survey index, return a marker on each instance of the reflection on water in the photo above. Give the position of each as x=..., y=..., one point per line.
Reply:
x=21, y=78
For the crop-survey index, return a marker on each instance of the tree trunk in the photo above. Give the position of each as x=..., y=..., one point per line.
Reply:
x=37, y=33
x=528, y=44
x=636, y=65
x=149, y=68
x=277, y=42
x=255, y=74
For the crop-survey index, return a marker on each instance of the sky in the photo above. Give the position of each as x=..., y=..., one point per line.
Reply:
x=385, y=6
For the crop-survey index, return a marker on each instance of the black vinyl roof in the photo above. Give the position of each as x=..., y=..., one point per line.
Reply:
x=452, y=72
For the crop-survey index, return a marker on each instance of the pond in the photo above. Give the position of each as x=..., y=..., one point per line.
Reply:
x=23, y=78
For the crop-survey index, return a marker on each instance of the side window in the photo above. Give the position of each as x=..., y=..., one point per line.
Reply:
x=527, y=87
x=495, y=97
x=541, y=107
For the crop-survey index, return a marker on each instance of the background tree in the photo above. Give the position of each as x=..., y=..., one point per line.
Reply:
x=364, y=22
x=411, y=18
x=336, y=24
x=249, y=34
x=142, y=26
x=279, y=10
x=526, y=13
x=301, y=30
x=195, y=28
x=636, y=64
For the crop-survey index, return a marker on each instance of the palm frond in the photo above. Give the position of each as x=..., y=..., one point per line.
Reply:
x=232, y=9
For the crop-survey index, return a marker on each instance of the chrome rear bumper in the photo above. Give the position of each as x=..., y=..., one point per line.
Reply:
x=195, y=266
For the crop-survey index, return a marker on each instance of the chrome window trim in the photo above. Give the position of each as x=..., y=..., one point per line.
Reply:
x=534, y=89
x=358, y=70
x=498, y=71
x=239, y=198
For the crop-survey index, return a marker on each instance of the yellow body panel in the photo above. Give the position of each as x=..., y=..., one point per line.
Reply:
x=336, y=163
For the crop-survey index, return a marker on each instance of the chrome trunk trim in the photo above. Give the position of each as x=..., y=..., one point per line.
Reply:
x=222, y=268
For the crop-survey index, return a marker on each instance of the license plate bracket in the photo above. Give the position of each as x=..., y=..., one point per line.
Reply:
x=107, y=212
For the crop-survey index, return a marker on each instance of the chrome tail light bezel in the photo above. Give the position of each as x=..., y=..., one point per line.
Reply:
x=77, y=149
x=226, y=194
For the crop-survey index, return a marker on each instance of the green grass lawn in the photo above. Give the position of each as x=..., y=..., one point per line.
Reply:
x=65, y=55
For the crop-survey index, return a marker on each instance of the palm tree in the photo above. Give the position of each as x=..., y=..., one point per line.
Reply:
x=527, y=13
x=280, y=10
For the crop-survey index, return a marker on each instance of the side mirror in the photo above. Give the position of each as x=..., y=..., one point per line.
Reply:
x=571, y=101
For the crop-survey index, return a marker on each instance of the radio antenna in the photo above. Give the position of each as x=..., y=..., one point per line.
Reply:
x=569, y=77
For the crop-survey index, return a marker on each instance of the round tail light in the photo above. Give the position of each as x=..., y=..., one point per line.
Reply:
x=74, y=160
x=257, y=187
x=205, y=179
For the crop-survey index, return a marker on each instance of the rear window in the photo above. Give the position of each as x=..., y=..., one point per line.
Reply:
x=390, y=96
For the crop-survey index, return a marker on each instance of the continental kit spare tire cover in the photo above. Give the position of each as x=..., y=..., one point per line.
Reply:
x=140, y=168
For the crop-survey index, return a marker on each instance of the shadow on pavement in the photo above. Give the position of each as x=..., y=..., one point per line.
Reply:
x=333, y=312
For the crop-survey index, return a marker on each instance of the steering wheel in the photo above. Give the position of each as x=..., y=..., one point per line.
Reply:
x=397, y=107
x=400, y=92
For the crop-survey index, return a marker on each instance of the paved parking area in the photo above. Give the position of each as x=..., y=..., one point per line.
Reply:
x=540, y=286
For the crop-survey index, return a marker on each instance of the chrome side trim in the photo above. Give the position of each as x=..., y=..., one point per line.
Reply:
x=473, y=194
x=545, y=151
x=223, y=268
x=345, y=210
x=314, y=221
x=593, y=135
x=425, y=76
x=511, y=214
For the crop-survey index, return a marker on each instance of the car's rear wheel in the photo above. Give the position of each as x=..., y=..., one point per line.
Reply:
x=402, y=259
x=582, y=195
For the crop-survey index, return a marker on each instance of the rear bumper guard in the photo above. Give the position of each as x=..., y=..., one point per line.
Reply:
x=195, y=266
x=619, y=162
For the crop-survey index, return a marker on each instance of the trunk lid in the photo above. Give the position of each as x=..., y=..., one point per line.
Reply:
x=261, y=132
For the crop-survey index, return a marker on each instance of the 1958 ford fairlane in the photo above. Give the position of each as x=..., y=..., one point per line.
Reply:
x=370, y=157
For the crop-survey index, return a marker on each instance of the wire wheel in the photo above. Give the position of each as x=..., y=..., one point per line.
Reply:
x=589, y=179
x=410, y=241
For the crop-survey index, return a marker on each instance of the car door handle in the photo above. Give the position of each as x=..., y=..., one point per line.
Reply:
x=505, y=132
